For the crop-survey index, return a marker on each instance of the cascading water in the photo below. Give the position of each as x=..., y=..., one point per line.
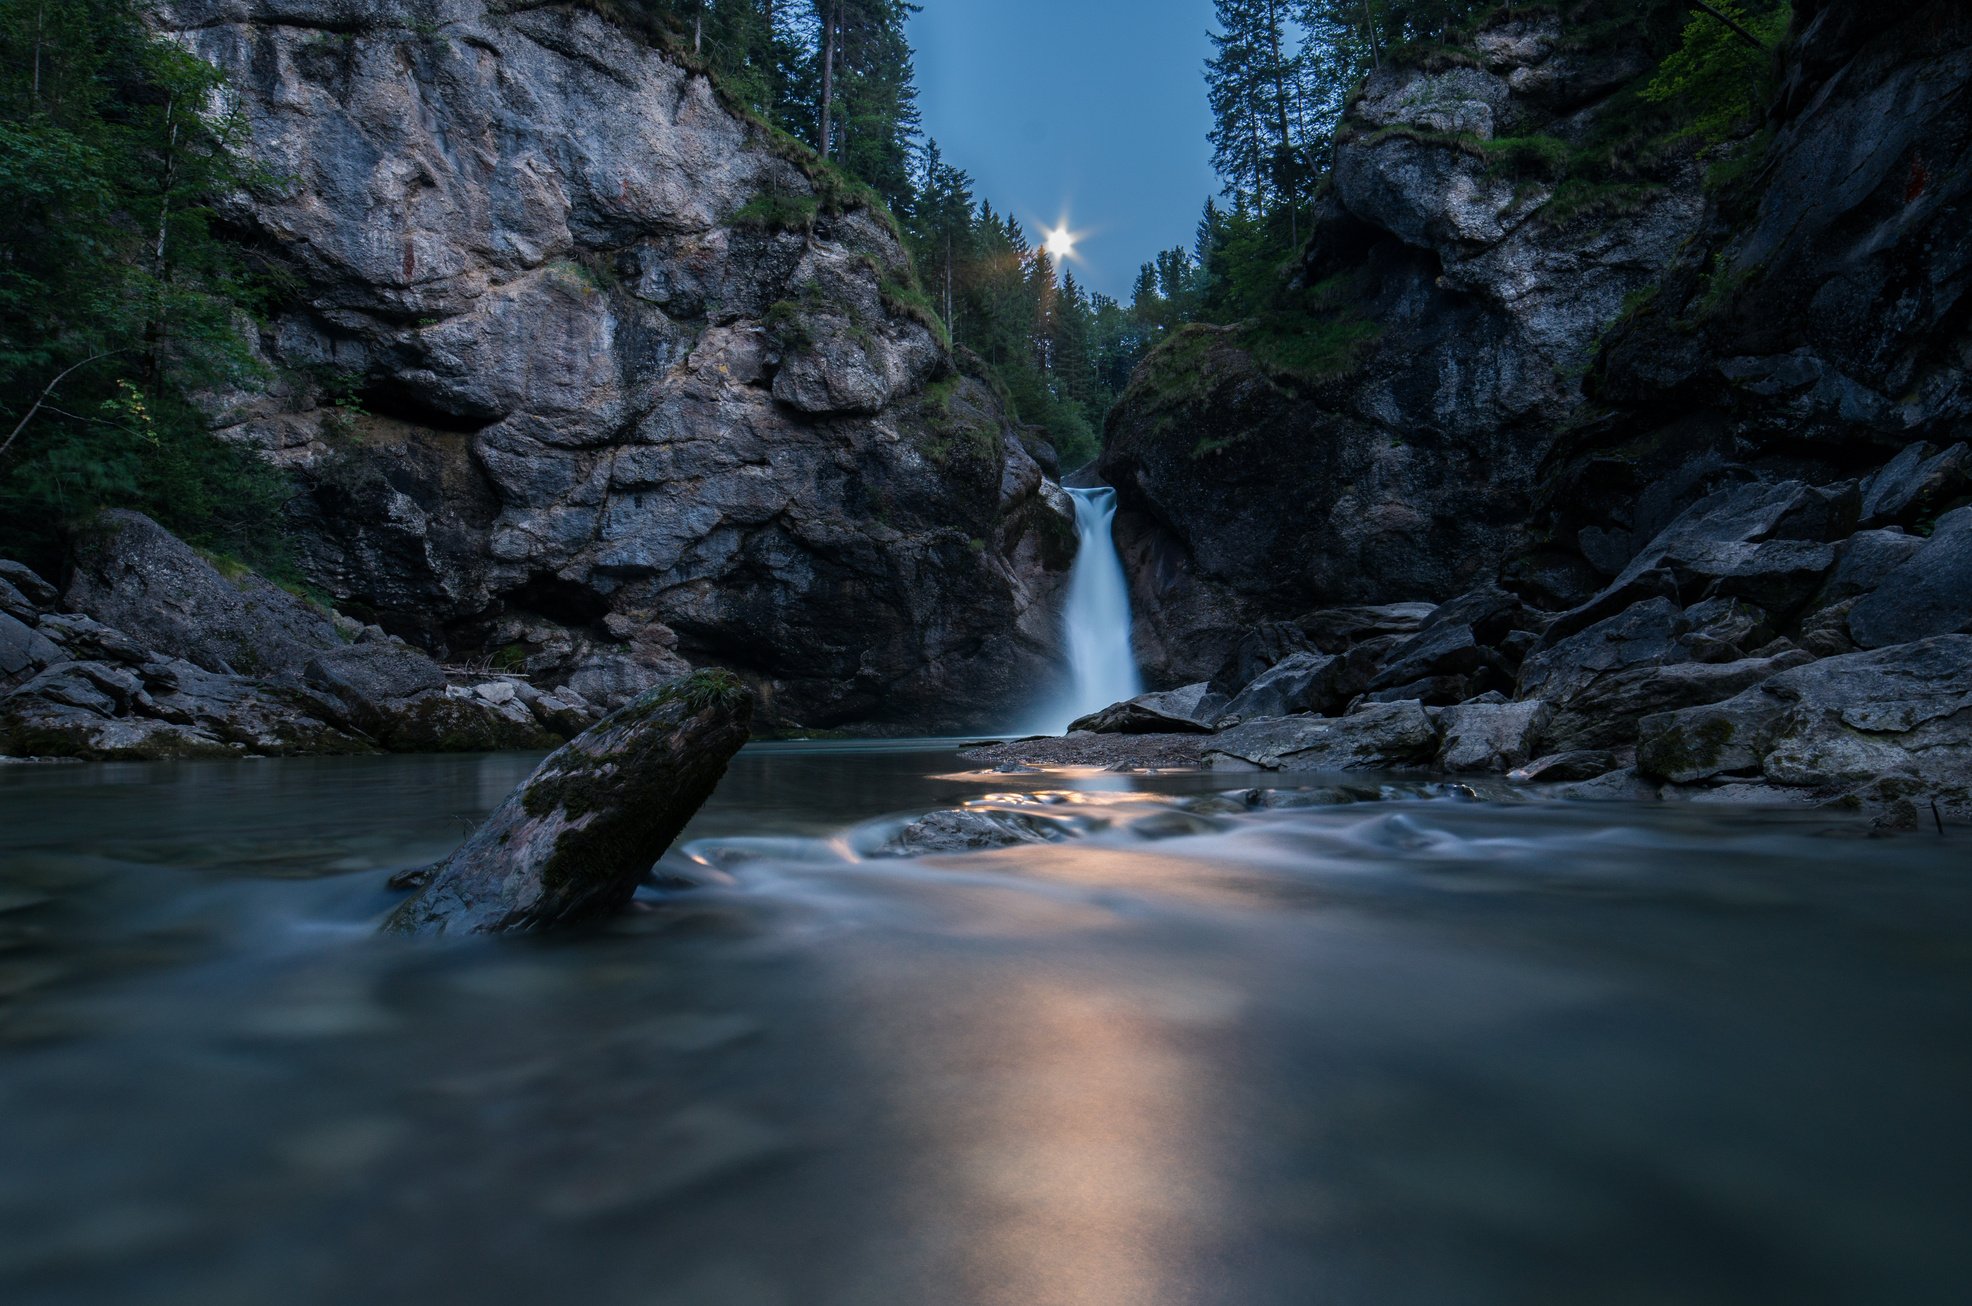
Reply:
x=1096, y=621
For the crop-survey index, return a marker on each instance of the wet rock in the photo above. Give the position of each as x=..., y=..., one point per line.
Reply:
x=163, y=710
x=1580, y=764
x=1900, y=715
x=1192, y=708
x=1084, y=749
x=574, y=840
x=1490, y=736
x=1623, y=785
x=134, y=575
x=968, y=830
x=1381, y=736
x=1931, y=594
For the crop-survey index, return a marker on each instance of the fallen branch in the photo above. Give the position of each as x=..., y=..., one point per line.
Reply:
x=42, y=398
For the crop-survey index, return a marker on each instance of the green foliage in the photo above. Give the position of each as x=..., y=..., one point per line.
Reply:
x=1716, y=78
x=120, y=301
x=1308, y=347
x=775, y=212
x=711, y=688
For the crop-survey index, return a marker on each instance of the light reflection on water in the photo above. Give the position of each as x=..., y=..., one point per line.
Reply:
x=1409, y=1052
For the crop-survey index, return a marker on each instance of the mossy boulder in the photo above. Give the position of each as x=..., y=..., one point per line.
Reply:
x=573, y=841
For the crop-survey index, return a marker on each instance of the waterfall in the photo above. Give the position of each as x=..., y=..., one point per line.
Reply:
x=1096, y=621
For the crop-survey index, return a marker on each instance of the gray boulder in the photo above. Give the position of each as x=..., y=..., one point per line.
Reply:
x=134, y=575
x=1602, y=680
x=1917, y=481
x=1322, y=683
x=575, y=839
x=1381, y=736
x=1192, y=709
x=160, y=710
x=399, y=697
x=1884, y=725
x=1764, y=543
x=23, y=650
x=1490, y=736
x=1931, y=594
x=32, y=590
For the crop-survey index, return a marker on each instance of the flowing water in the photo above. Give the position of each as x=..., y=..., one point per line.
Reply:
x=1095, y=619
x=1204, y=1049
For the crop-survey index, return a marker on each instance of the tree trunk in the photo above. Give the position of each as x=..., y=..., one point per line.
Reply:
x=831, y=23
x=1280, y=116
x=1369, y=28
x=161, y=268
x=1727, y=19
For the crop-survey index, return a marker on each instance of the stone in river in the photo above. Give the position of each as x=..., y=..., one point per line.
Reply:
x=574, y=840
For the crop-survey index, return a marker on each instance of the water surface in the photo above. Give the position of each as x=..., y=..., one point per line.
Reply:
x=1417, y=1051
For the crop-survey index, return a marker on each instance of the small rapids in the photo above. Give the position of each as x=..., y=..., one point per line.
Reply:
x=880, y=1030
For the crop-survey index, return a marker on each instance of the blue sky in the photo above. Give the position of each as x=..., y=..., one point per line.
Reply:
x=1090, y=108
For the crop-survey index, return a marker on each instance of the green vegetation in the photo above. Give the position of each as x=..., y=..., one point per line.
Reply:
x=955, y=431
x=1722, y=71
x=770, y=212
x=120, y=301
x=1286, y=69
x=1308, y=347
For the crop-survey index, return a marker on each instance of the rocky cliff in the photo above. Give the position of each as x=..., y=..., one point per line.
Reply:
x=1526, y=335
x=1381, y=438
x=591, y=376
x=1815, y=326
x=1679, y=471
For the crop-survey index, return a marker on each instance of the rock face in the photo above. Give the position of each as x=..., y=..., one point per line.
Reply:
x=1883, y=728
x=575, y=839
x=1481, y=366
x=1688, y=485
x=1815, y=326
x=269, y=673
x=593, y=373
x=1384, y=440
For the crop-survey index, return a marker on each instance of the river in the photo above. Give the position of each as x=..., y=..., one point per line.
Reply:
x=1427, y=1050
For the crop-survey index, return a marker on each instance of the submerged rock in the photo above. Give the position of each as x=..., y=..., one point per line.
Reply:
x=573, y=841
x=968, y=829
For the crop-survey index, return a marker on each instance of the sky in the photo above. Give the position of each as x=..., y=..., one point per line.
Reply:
x=1092, y=110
